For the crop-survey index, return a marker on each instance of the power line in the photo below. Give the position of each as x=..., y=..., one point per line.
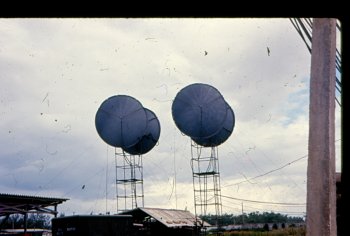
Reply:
x=259, y=170
x=297, y=23
x=297, y=213
x=249, y=209
x=273, y=203
x=269, y=172
x=304, y=28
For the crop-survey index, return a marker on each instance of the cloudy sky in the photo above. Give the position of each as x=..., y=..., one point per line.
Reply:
x=55, y=73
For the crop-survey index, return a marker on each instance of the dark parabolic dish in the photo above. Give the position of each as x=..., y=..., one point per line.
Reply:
x=199, y=110
x=120, y=121
x=222, y=135
x=150, y=137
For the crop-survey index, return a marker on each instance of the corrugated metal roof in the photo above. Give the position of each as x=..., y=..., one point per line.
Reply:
x=173, y=218
x=13, y=203
x=6, y=196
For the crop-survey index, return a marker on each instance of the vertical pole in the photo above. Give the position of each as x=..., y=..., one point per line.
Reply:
x=175, y=175
x=342, y=217
x=55, y=214
x=321, y=182
x=25, y=222
x=116, y=177
x=106, y=179
x=142, y=190
x=242, y=215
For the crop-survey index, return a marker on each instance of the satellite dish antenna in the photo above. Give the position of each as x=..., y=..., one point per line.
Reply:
x=222, y=135
x=199, y=110
x=120, y=121
x=150, y=137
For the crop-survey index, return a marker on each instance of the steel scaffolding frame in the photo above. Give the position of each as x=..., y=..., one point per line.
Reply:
x=129, y=181
x=206, y=180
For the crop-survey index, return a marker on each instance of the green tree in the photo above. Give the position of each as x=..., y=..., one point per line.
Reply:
x=253, y=217
x=16, y=221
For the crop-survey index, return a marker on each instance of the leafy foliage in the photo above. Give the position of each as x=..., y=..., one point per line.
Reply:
x=16, y=221
x=253, y=217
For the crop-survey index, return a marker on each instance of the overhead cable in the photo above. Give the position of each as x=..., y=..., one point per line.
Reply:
x=266, y=173
x=274, y=203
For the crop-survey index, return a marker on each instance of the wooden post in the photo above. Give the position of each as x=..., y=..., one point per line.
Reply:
x=321, y=182
x=25, y=223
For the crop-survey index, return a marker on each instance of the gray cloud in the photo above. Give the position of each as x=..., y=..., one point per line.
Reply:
x=55, y=73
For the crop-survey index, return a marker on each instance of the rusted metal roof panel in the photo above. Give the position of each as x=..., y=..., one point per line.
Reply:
x=174, y=218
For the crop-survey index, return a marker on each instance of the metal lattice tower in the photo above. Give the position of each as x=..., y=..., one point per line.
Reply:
x=129, y=181
x=206, y=181
x=201, y=112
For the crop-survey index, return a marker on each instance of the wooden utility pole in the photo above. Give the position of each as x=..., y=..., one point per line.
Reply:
x=321, y=181
x=242, y=215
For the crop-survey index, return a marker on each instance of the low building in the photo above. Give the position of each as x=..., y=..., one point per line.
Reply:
x=29, y=232
x=91, y=225
x=24, y=204
x=169, y=222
